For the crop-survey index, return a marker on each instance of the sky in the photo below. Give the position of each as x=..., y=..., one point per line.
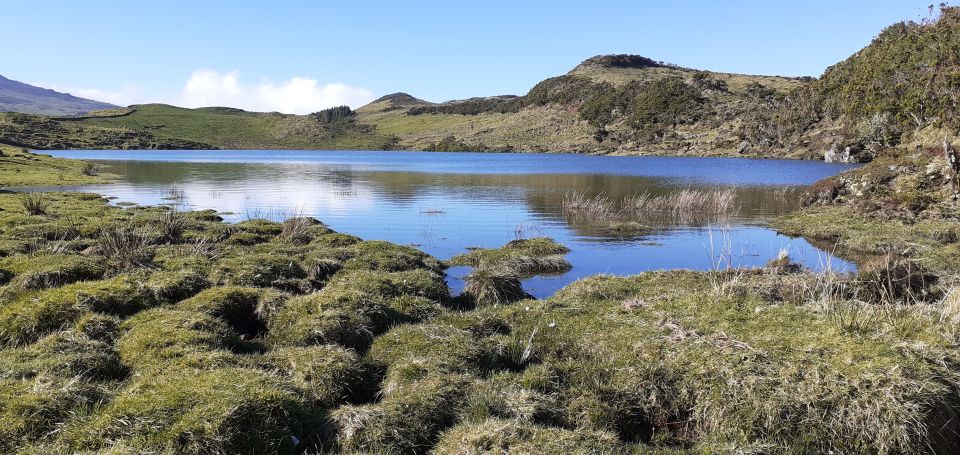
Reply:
x=303, y=56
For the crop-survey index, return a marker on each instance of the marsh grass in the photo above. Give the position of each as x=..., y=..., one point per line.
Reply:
x=172, y=223
x=34, y=203
x=90, y=169
x=125, y=247
x=493, y=287
x=684, y=206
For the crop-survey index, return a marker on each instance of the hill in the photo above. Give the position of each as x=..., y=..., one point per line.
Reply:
x=28, y=99
x=230, y=128
x=901, y=89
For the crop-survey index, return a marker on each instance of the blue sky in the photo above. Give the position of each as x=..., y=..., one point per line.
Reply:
x=295, y=56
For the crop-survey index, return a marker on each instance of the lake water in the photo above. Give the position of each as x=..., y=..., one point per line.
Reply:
x=445, y=203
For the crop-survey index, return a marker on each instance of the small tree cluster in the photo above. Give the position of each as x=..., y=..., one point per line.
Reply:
x=338, y=114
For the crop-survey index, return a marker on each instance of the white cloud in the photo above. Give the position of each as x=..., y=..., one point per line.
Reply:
x=126, y=95
x=299, y=95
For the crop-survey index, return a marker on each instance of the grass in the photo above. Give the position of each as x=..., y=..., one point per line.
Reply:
x=20, y=167
x=236, y=129
x=522, y=258
x=684, y=206
x=268, y=337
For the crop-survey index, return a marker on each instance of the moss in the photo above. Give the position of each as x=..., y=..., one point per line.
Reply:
x=855, y=234
x=29, y=315
x=417, y=282
x=24, y=168
x=402, y=423
x=348, y=318
x=683, y=346
x=509, y=437
x=168, y=338
x=259, y=270
x=492, y=287
x=51, y=270
x=230, y=410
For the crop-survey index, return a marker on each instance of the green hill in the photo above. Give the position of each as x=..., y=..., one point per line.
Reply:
x=901, y=89
x=230, y=128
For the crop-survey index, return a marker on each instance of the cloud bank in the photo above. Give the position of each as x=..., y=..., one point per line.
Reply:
x=299, y=95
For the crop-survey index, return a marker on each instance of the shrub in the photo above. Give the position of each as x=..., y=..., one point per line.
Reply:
x=666, y=101
x=337, y=114
x=89, y=168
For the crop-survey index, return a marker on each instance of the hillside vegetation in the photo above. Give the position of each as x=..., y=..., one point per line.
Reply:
x=229, y=128
x=902, y=88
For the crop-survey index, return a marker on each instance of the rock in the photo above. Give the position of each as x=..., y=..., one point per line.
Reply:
x=834, y=155
x=744, y=147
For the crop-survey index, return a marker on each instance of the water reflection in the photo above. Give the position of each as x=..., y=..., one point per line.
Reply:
x=445, y=203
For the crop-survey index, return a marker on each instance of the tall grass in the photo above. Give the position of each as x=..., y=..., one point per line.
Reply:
x=91, y=169
x=34, y=203
x=578, y=204
x=685, y=206
x=126, y=248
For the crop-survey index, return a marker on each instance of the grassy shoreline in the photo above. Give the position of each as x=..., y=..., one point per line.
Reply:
x=20, y=167
x=146, y=329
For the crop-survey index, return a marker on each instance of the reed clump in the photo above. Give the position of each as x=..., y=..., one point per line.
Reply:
x=34, y=203
x=687, y=205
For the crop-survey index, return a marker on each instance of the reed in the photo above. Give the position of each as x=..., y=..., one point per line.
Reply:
x=34, y=203
x=577, y=204
x=126, y=248
x=686, y=206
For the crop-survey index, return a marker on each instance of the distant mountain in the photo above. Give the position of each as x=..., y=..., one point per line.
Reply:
x=28, y=99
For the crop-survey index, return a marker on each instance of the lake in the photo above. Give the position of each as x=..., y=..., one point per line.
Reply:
x=446, y=203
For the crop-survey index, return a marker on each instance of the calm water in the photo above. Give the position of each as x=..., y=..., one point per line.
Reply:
x=445, y=203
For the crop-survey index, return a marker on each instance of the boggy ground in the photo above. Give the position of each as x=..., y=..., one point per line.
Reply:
x=900, y=204
x=148, y=330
